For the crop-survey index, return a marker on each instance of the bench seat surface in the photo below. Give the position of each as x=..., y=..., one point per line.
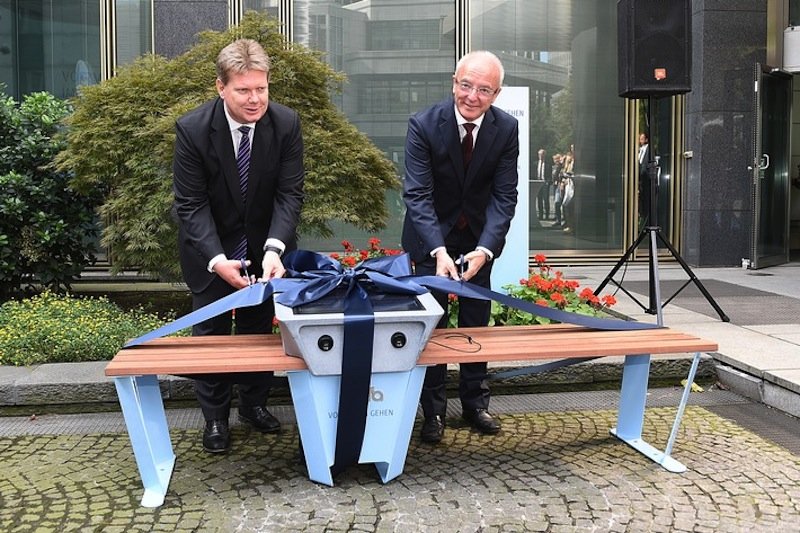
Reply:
x=254, y=353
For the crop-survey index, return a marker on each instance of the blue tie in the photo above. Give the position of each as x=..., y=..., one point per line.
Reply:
x=243, y=166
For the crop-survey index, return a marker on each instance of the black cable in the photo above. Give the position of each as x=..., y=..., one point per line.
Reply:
x=462, y=336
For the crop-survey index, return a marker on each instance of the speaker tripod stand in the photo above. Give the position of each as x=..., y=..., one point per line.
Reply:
x=652, y=232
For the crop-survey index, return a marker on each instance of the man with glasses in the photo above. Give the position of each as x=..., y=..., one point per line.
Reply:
x=460, y=192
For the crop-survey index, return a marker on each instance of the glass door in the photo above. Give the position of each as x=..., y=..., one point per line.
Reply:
x=773, y=102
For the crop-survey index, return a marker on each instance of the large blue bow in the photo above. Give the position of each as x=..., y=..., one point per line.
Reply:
x=323, y=275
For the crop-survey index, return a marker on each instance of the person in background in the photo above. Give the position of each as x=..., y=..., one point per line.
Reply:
x=558, y=162
x=643, y=159
x=238, y=186
x=460, y=192
x=543, y=173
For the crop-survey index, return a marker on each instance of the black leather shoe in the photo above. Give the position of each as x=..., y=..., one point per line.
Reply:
x=260, y=419
x=432, y=429
x=216, y=436
x=481, y=420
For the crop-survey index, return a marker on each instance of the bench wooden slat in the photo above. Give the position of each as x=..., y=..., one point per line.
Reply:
x=253, y=353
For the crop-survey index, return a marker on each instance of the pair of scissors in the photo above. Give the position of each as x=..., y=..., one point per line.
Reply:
x=461, y=265
x=246, y=273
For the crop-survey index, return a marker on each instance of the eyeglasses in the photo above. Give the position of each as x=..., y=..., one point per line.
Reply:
x=467, y=88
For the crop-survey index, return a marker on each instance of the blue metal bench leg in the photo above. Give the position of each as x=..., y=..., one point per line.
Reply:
x=390, y=419
x=316, y=400
x=685, y=398
x=633, y=397
x=143, y=409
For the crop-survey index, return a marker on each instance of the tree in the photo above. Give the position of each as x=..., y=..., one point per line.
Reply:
x=47, y=230
x=121, y=138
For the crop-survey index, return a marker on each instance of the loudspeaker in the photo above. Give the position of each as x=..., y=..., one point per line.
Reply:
x=654, y=47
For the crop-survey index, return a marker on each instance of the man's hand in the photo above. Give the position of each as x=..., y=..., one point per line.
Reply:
x=445, y=266
x=230, y=270
x=272, y=266
x=475, y=261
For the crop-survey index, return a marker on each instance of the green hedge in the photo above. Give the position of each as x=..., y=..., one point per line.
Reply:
x=52, y=328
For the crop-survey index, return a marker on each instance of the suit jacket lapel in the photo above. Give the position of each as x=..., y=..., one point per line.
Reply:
x=448, y=129
x=223, y=145
x=262, y=146
x=486, y=136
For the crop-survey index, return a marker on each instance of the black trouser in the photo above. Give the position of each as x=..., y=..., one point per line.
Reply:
x=473, y=387
x=543, y=201
x=215, y=391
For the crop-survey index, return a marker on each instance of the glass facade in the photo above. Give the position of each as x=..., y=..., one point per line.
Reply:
x=399, y=57
x=264, y=6
x=56, y=45
x=49, y=45
x=566, y=53
x=134, y=31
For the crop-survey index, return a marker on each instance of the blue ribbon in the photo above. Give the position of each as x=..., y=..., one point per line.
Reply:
x=312, y=276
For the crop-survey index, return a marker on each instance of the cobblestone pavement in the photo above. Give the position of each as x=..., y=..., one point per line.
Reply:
x=546, y=471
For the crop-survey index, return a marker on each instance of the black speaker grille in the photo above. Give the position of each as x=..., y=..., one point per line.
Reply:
x=654, y=47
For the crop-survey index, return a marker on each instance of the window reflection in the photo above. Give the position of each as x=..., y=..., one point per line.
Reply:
x=399, y=58
x=565, y=52
x=264, y=6
x=134, y=29
x=51, y=46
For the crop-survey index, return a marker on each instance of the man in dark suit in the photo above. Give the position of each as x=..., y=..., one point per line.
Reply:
x=460, y=192
x=238, y=184
x=544, y=173
x=643, y=158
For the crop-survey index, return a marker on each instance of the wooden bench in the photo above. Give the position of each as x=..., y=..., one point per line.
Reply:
x=135, y=372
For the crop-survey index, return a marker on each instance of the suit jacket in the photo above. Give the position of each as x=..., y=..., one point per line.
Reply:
x=644, y=158
x=437, y=190
x=208, y=201
x=548, y=170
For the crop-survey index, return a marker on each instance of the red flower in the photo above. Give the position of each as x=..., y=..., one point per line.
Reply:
x=542, y=301
x=352, y=255
x=540, y=259
x=558, y=299
x=609, y=300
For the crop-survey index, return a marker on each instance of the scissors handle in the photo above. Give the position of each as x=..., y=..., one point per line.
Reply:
x=244, y=269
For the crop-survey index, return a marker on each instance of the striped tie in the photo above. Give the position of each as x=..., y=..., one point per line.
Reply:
x=243, y=166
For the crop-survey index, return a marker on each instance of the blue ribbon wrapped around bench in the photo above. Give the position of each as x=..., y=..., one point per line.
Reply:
x=323, y=275
x=311, y=276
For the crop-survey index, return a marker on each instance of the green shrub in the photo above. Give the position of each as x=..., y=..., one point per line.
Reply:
x=51, y=328
x=122, y=133
x=47, y=230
